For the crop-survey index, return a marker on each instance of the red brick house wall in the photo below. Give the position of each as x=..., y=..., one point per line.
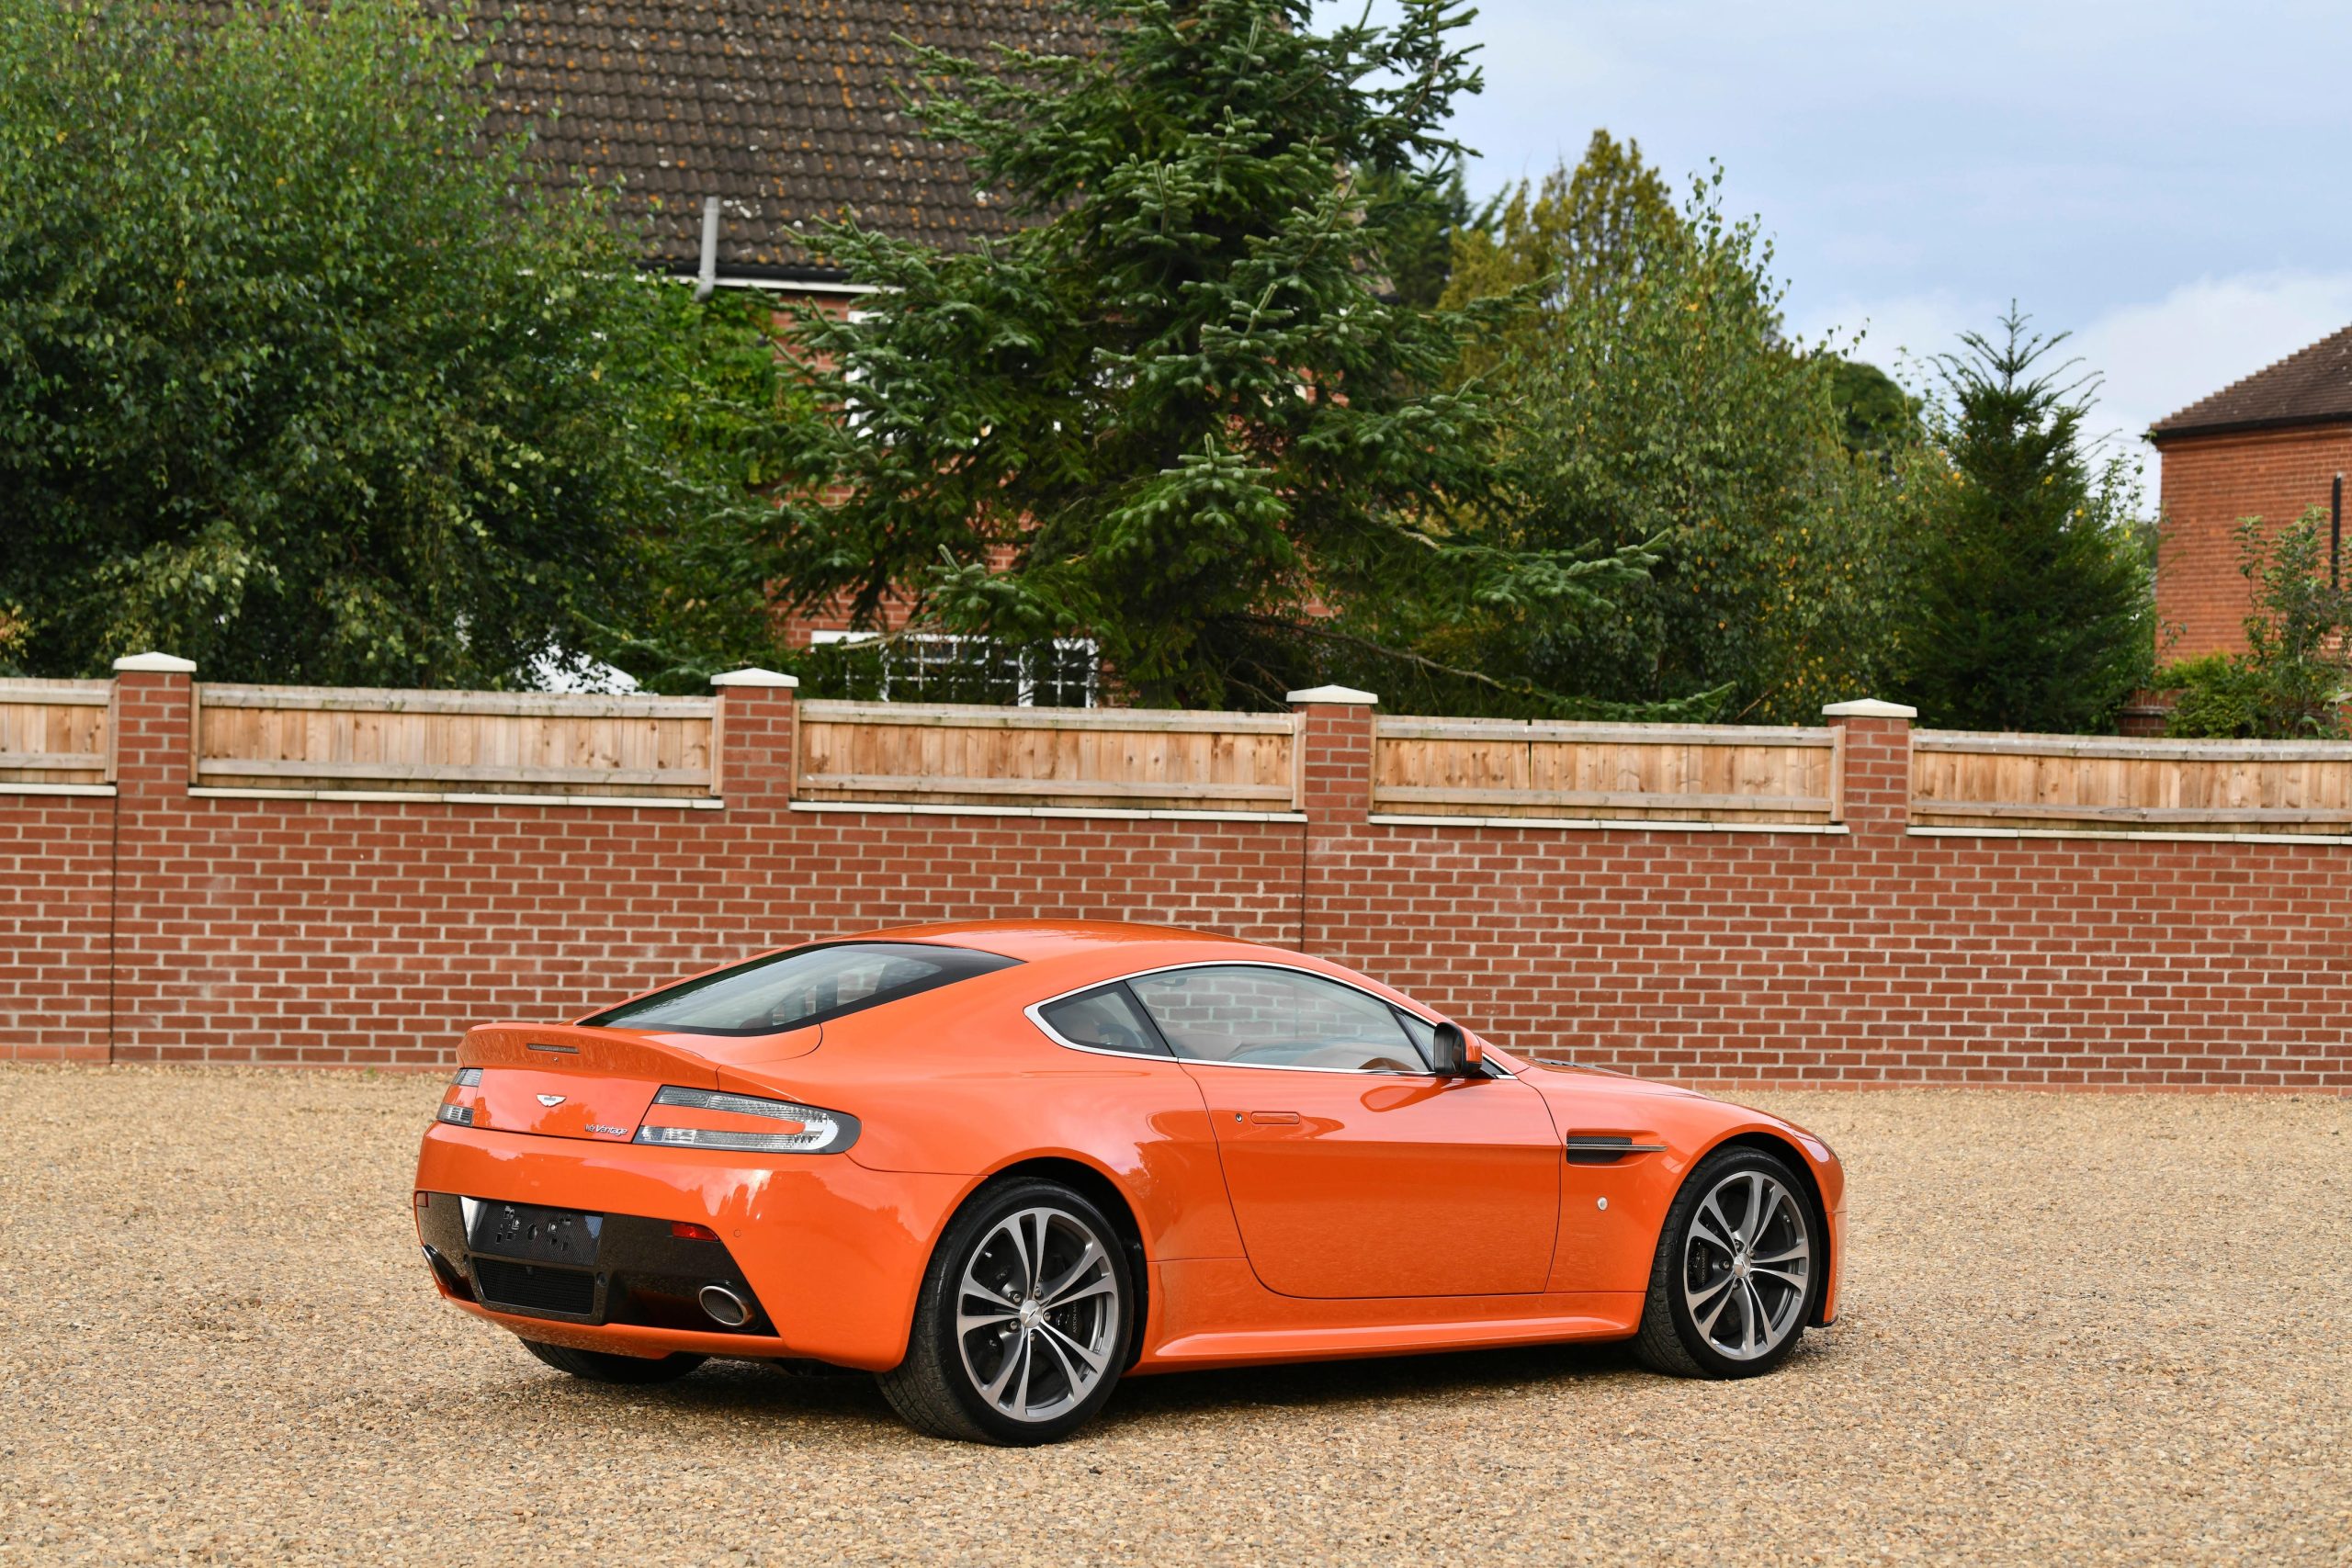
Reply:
x=2209, y=482
x=159, y=925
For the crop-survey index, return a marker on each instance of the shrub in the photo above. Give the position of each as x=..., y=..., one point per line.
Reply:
x=2292, y=680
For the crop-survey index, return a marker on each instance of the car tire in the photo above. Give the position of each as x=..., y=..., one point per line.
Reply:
x=1730, y=1297
x=602, y=1366
x=1024, y=1320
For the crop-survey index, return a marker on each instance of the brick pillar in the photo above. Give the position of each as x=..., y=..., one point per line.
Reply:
x=1877, y=781
x=754, y=744
x=153, y=896
x=150, y=742
x=1335, y=794
x=1335, y=754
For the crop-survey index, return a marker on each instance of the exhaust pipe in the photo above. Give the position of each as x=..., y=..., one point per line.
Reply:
x=724, y=1306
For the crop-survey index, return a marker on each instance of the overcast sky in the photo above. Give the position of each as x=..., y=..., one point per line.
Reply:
x=2169, y=180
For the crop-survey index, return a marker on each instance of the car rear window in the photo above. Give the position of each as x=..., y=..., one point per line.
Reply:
x=805, y=985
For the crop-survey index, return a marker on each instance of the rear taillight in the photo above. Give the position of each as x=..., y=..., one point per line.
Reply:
x=463, y=1094
x=743, y=1123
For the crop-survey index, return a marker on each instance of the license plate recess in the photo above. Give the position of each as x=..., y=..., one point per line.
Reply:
x=533, y=1234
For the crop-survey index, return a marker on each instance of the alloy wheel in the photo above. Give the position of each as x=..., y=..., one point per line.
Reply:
x=1038, y=1314
x=1748, y=1264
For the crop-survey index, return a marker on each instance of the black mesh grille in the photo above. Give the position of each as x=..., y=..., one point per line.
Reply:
x=530, y=1288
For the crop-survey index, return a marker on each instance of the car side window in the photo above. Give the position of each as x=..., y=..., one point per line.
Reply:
x=1422, y=1034
x=1105, y=1019
x=1252, y=1015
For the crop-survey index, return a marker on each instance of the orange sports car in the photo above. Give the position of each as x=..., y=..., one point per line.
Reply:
x=1004, y=1165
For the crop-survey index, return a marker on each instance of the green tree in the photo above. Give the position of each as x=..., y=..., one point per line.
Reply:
x=2031, y=602
x=1417, y=214
x=1879, y=418
x=1583, y=234
x=2295, y=676
x=302, y=377
x=1177, y=414
x=1654, y=400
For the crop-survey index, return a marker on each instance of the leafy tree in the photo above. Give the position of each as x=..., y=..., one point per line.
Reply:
x=1176, y=414
x=2032, y=602
x=302, y=377
x=709, y=394
x=1585, y=234
x=1879, y=417
x=2296, y=674
x=1654, y=399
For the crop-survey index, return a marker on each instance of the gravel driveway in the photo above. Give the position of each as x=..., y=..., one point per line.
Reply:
x=2081, y=1329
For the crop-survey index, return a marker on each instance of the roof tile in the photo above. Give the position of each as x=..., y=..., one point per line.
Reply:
x=2313, y=386
x=785, y=110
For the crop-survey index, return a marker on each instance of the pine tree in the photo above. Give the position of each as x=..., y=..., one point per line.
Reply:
x=2030, y=605
x=1419, y=218
x=1181, y=414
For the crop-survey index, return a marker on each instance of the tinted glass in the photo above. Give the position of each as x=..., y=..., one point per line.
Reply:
x=1259, y=1017
x=1107, y=1020
x=808, y=984
x=1423, y=1036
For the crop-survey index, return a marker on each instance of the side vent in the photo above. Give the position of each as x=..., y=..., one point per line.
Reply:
x=1606, y=1148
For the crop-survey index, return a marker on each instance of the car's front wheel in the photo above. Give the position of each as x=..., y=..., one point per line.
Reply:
x=1737, y=1268
x=603, y=1366
x=1023, y=1323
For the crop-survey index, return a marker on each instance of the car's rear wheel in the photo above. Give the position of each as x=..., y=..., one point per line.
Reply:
x=601, y=1366
x=1737, y=1269
x=1023, y=1323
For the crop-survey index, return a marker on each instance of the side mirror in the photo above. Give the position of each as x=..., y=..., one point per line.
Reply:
x=1457, y=1055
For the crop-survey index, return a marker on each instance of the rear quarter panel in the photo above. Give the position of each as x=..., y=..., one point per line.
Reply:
x=969, y=1087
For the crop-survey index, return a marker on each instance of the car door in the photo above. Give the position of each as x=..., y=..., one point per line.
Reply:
x=1354, y=1171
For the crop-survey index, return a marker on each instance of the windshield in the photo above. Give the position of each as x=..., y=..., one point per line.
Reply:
x=805, y=985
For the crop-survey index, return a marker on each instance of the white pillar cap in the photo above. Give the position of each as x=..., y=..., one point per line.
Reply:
x=1346, y=696
x=1868, y=707
x=756, y=677
x=160, y=663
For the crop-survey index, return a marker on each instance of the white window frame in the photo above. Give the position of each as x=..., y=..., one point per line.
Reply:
x=1025, y=684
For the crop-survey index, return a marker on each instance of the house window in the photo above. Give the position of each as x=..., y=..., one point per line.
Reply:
x=935, y=667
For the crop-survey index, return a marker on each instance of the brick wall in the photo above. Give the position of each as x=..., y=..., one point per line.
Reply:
x=2209, y=482
x=350, y=931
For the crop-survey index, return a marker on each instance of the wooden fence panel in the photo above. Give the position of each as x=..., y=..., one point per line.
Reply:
x=1133, y=758
x=306, y=738
x=1454, y=767
x=2101, y=783
x=56, y=732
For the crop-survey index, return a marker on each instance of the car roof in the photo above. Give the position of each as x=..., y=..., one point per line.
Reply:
x=1063, y=956
x=1032, y=940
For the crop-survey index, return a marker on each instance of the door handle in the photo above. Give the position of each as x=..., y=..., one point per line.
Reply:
x=1273, y=1118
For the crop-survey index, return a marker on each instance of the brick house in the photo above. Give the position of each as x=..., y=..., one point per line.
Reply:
x=730, y=128
x=2270, y=447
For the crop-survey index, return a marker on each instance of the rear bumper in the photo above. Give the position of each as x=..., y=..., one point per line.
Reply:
x=833, y=1252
